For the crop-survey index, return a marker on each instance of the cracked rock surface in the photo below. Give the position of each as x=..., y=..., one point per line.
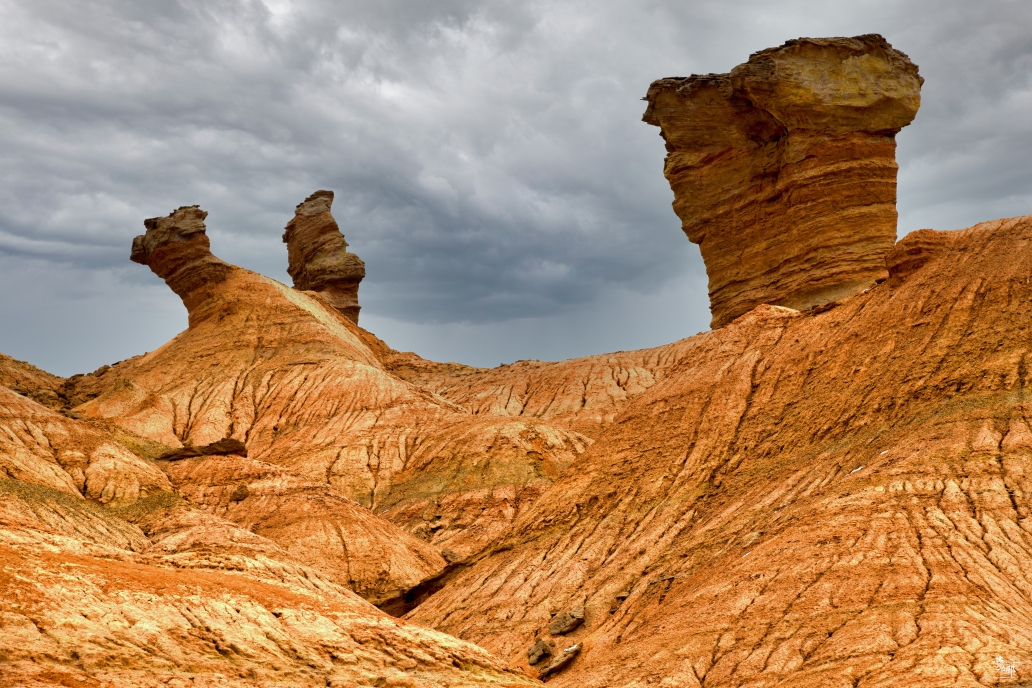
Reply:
x=832, y=497
x=835, y=499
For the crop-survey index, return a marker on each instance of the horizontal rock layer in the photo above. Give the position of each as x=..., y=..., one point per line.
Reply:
x=784, y=172
x=318, y=256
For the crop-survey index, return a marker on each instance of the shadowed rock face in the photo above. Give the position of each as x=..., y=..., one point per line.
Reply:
x=784, y=171
x=176, y=249
x=319, y=258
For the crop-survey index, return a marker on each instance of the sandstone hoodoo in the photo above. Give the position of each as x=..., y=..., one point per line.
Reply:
x=836, y=498
x=318, y=256
x=176, y=249
x=784, y=171
x=308, y=395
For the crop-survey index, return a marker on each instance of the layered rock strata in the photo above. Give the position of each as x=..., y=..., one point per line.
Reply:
x=784, y=501
x=307, y=391
x=835, y=500
x=318, y=256
x=47, y=449
x=253, y=347
x=155, y=592
x=784, y=172
x=176, y=249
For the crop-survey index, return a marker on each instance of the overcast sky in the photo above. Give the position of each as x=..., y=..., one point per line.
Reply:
x=488, y=158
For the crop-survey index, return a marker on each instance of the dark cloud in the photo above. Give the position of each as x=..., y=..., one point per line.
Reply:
x=489, y=160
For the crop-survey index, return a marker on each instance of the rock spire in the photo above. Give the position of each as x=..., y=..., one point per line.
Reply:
x=176, y=249
x=784, y=171
x=318, y=255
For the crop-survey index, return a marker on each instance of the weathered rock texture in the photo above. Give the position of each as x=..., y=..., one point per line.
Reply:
x=318, y=256
x=832, y=498
x=54, y=392
x=176, y=249
x=116, y=569
x=307, y=392
x=840, y=499
x=161, y=594
x=784, y=170
x=44, y=448
x=809, y=500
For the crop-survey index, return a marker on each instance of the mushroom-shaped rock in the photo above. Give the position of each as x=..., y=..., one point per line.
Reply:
x=176, y=249
x=318, y=256
x=784, y=170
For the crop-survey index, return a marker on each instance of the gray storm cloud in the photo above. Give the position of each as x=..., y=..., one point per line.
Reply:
x=488, y=159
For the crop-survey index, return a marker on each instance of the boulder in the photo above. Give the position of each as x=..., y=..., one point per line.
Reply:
x=566, y=622
x=538, y=652
x=227, y=445
x=562, y=661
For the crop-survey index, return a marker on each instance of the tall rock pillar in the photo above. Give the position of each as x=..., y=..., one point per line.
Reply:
x=784, y=170
x=318, y=256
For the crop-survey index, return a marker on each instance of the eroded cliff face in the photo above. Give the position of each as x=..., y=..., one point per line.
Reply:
x=784, y=171
x=318, y=256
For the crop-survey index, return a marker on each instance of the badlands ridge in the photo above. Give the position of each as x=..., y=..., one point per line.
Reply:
x=831, y=488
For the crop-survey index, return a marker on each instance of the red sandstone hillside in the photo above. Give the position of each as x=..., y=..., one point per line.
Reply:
x=108, y=576
x=830, y=496
x=837, y=499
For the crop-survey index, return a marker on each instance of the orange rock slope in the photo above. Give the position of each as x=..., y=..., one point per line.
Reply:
x=784, y=170
x=109, y=577
x=839, y=499
x=836, y=496
x=290, y=376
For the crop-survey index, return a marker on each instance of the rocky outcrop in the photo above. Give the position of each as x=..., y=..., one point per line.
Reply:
x=29, y=381
x=784, y=172
x=227, y=445
x=563, y=660
x=176, y=249
x=233, y=572
x=539, y=652
x=836, y=498
x=306, y=392
x=318, y=256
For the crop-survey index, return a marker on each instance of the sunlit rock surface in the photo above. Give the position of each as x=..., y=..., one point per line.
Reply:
x=318, y=256
x=784, y=170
